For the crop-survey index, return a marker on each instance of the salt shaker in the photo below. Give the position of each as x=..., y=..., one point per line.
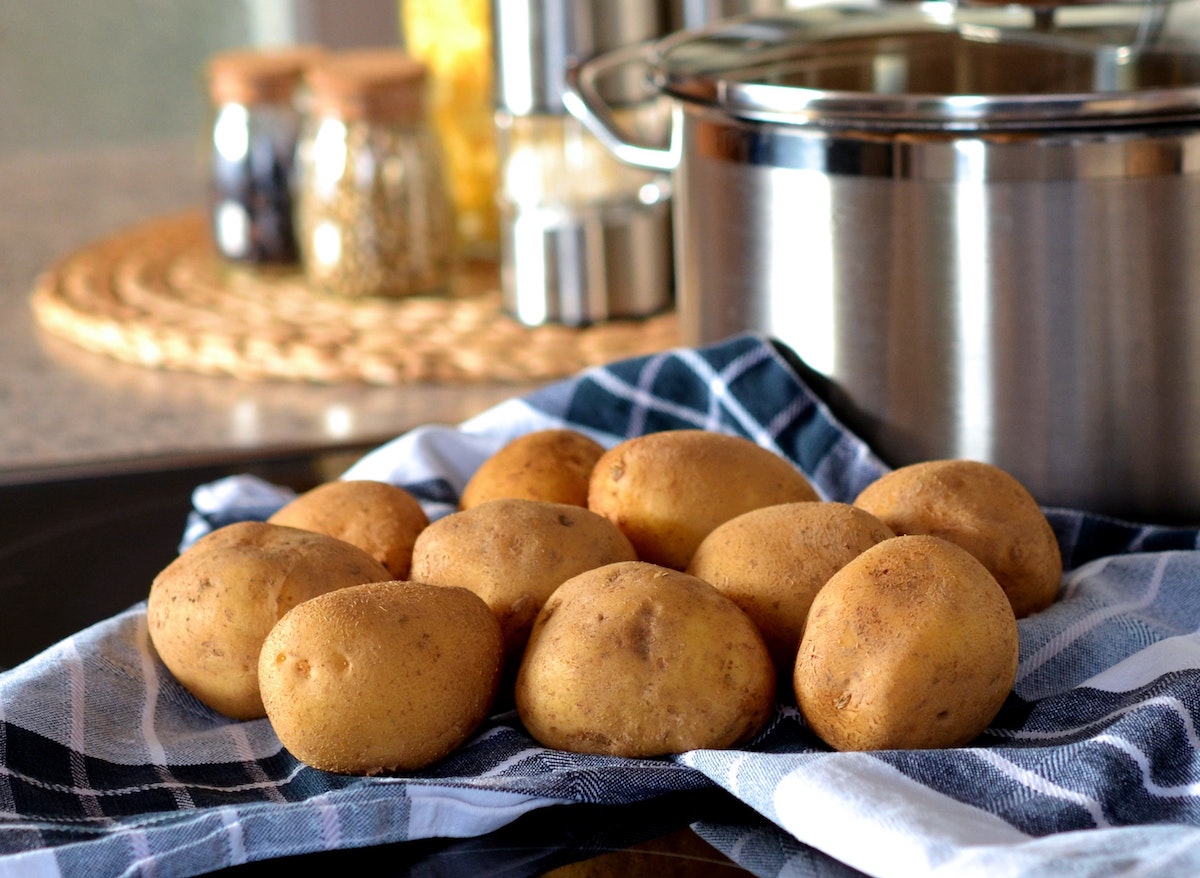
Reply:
x=584, y=238
x=374, y=213
x=255, y=125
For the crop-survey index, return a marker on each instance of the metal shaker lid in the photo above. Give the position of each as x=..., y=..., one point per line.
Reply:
x=534, y=41
x=944, y=66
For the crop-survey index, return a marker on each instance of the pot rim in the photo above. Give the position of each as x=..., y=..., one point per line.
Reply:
x=708, y=67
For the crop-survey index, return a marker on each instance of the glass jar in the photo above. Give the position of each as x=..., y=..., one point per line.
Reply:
x=453, y=38
x=373, y=211
x=256, y=121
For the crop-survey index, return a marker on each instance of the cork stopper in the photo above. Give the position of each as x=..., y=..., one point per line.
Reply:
x=376, y=85
x=253, y=76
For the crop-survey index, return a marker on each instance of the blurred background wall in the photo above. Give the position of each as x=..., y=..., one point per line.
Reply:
x=76, y=75
x=103, y=108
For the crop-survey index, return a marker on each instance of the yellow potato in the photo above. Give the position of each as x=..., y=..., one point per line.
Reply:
x=550, y=465
x=381, y=519
x=513, y=553
x=386, y=676
x=981, y=508
x=636, y=660
x=209, y=609
x=666, y=491
x=772, y=561
x=912, y=645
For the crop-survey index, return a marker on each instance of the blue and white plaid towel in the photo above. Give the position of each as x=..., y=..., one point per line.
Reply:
x=108, y=767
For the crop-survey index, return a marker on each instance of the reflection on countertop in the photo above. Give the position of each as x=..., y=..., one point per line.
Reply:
x=67, y=412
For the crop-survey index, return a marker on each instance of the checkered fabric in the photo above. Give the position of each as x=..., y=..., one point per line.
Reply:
x=108, y=767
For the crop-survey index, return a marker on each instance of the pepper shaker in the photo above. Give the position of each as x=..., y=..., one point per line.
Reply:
x=374, y=213
x=256, y=120
x=583, y=237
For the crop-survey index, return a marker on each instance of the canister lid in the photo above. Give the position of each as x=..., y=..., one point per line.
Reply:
x=533, y=42
x=378, y=85
x=248, y=76
x=944, y=65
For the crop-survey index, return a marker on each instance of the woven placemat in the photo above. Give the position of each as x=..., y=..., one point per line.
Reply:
x=158, y=295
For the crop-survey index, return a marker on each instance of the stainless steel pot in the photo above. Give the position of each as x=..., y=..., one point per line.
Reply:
x=980, y=227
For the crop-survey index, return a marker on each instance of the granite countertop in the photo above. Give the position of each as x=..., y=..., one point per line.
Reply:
x=67, y=412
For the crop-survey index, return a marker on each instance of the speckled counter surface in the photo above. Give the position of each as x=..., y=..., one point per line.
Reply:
x=66, y=412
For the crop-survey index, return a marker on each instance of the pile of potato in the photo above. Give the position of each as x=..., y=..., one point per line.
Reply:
x=655, y=597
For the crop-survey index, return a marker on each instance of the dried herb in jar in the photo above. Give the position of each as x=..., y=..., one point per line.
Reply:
x=374, y=214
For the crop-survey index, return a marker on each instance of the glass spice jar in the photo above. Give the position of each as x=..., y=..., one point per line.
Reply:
x=374, y=213
x=255, y=125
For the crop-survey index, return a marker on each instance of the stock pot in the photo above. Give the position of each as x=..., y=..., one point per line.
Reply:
x=977, y=226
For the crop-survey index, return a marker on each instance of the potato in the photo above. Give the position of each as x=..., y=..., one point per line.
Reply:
x=550, y=465
x=772, y=561
x=912, y=645
x=513, y=553
x=385, y=676
x=636, y=660
x=380, y=518
x=666, y=491
x=210, y=609
x=981, y=508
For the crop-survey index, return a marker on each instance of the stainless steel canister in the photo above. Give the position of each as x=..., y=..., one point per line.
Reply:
x=978, y=227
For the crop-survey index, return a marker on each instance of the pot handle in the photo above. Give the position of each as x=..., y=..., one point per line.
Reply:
x=583, y=101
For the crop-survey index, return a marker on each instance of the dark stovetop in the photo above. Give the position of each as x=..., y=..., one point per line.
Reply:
x=78, y=550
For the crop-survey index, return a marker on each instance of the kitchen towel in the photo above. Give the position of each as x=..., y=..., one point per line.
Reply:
x=108, y=767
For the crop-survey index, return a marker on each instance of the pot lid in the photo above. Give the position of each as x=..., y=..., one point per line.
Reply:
x=943, y=65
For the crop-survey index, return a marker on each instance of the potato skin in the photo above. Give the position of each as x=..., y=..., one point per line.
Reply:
x=380, y=518
x=772, y=561
x=210, y=609
x=981, y=508
x=513, y=553
x=668, y=490
x=912, y=645
x=551, y=465
x=636, y=660
x=385, y=676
